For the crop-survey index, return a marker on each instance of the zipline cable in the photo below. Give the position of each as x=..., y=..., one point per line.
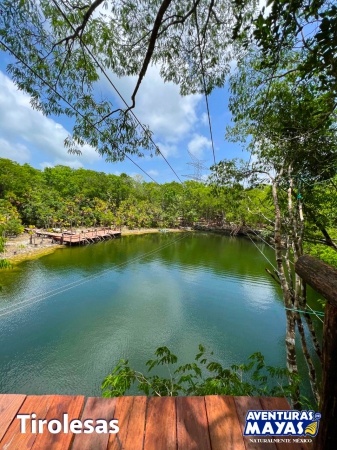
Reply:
x=263, y=254
x=203, y=81
x=114, y=87
x=317, y=313
x=77, y=283
x=74, y=283
x=68, y=103
x=268, y=90
x=257, y=235
x=269, y=245
x=313, y=312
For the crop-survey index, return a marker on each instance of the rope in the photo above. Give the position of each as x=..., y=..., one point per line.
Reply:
x=313, y=312
x=304, y=179
x=69, y=104
x=263, y=254
x=114, y=87
x=204, y=82
x=317, y=313
x=269, y=245
x=257, y=235
x=77, y=283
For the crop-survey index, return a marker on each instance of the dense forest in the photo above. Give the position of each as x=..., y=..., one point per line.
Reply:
x=64, y=197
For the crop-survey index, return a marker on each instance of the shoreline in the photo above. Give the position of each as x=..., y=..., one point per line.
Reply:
x=19, y=249
x=150, y=230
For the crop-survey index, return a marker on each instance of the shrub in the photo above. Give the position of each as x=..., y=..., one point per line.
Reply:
x=202, y=378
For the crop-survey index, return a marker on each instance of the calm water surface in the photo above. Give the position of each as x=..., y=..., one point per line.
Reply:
x=202, y=288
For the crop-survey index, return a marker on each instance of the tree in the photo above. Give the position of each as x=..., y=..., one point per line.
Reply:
x=290, y=142
x=321, y=199
x=10, y=223
x=288, y=116
x=307, y=26
x=61, y=50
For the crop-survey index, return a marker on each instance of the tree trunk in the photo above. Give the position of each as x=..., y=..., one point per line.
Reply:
x=297, y=233
x=290, y=328
x=323, y=278
x=327, y=436
x=319, y=275
x=311, y=367
x=310, y=325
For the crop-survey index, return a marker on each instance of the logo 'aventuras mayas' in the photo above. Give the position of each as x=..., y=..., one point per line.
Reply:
x=282, y=423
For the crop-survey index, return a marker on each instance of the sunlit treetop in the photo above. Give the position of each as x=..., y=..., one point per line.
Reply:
x=307, y=26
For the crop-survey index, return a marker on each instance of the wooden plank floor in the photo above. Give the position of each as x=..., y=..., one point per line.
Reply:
x=213, y=422
x=77, y=238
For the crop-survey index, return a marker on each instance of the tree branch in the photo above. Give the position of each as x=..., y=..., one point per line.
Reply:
x=150, y=49
x=182, y=20
x=154, y=36
x=273, y=276
x=79, y=30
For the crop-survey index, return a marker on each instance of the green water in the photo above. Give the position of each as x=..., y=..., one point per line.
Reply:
x=197, y=288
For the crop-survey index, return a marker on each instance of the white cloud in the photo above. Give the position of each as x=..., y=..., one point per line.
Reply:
x=74, y=164
x=46, y=164
x=153, y=172
x=169, y=115
x=167, y=149
x=16, y=152
x=204, y=119
x=20, y=121
x=197, y=145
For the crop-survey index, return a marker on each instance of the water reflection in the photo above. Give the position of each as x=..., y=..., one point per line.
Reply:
x=205, y=288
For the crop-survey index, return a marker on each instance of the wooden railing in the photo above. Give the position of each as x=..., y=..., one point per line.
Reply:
x=323, y=278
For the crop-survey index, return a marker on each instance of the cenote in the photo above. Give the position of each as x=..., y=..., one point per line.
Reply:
x=177, y=290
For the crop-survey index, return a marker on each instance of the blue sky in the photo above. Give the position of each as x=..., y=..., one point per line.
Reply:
x=179, y=124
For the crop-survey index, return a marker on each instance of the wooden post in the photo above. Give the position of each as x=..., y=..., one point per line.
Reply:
x=323, y=278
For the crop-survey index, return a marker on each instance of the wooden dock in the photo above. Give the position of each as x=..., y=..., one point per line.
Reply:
x=146, y=423
x=85, y=237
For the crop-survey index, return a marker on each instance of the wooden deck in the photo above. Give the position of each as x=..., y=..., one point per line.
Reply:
x=86, y=237
x=146, y=423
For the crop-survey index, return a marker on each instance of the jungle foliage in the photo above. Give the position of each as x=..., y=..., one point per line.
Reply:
x=288, y=125
x=64, y=197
